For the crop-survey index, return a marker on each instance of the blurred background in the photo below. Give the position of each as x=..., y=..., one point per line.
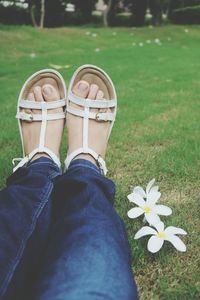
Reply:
x=151, y=50
x=100, y=12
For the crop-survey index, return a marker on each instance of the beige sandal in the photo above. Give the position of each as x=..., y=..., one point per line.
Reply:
x=93, y=75
x=40, y=78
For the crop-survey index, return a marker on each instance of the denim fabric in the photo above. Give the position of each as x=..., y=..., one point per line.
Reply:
x=22, y=203
x=88, y=255
x=72, y=234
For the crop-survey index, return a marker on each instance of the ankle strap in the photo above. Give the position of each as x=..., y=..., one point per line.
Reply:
x=27, y=158
x=100, y=161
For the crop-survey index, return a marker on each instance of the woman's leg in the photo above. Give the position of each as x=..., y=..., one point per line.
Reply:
x=25, y=211
x=88, y=255
x=25, y=205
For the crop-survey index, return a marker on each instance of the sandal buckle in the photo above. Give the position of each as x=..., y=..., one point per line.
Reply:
x=30, y=116
x=98, y=117
x=102, y=165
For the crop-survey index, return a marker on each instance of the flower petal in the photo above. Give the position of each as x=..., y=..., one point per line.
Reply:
x=135, y=212
x=155, y=244
x=176, y=242
x=154, y=189
x=139, y=190
x=175, y=230
x=137, y=199
x=152, y=218
x=153, y=197
x=149, y=185
x=146, y=230
x=162, y=210
x=159, y=226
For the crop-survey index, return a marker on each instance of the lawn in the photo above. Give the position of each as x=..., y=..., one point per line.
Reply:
x=157, y=132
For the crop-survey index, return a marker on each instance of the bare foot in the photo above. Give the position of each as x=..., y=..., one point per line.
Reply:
x=54, y=131
x=98, y=131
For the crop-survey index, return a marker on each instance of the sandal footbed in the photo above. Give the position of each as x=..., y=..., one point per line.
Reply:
x=42, y=79
x=93, y=76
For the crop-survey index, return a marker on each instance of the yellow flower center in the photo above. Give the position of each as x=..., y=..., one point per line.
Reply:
x=147, y=209
x=161, y=234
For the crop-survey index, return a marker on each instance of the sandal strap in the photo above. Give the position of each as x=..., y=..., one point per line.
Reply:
x=40, y=106
x=87, y=104
x=91, y=103
x=91, y=115
x=43, y=104
x=27, y=158
x=100, y=161
x=37, y=117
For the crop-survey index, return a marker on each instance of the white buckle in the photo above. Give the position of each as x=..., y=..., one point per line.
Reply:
x=30, y=116
x=102, y=165
x=27, y=117
x=98, y=117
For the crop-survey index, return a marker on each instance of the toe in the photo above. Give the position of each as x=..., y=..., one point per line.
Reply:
x=81, y=89
x=93, y=91
x=38, y=93
x=30, y=98
x=100, y=95
x=50, y=93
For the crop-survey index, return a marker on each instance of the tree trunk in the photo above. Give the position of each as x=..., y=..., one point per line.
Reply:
x=32, y=12
x=106, y=12
x=110, y=13
x=42, y=13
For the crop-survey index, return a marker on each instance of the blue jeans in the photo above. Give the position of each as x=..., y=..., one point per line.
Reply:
x=60, y=237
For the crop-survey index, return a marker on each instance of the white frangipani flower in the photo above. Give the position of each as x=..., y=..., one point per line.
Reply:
x=160, y=235
x=150, y=190
x=146, y=202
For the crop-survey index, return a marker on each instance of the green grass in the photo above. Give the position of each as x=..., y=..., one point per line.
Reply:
x=157, y=132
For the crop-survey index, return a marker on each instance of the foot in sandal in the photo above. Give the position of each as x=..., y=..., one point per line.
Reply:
x=91, y=113
x=41, y=116
x=54, y=130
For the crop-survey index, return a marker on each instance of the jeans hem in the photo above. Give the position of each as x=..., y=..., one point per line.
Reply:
x=83, y=163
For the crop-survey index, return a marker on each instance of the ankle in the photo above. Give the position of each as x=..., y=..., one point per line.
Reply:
x=39, y=155
x=87, y=157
